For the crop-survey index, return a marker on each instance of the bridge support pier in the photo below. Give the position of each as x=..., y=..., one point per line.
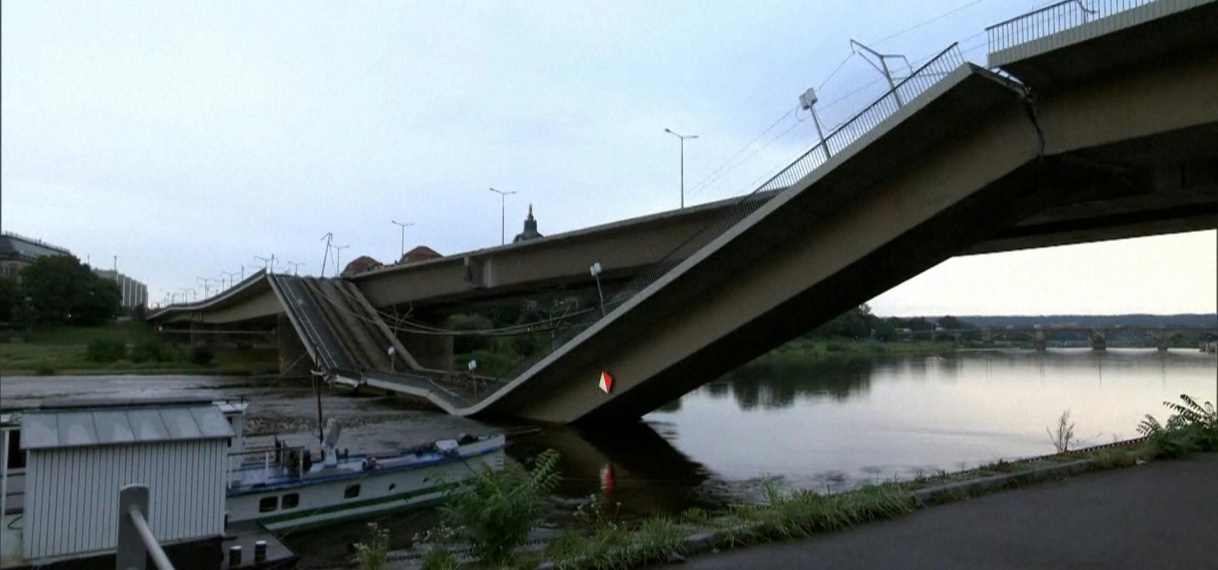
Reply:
x=294, y=360
x=1099, y=340
x=1040, y=340
x=430, y=351
x=1162, y=342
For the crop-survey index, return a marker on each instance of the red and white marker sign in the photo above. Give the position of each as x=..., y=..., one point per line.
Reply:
x=606, y=383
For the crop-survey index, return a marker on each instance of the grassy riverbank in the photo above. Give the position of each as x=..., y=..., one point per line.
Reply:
x=74, y=350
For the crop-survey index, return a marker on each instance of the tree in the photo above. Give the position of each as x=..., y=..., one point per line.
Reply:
x=953, y=324
x=8, y=299
x=63, y=291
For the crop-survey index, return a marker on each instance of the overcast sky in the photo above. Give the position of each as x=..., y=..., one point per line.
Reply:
x=186, y=138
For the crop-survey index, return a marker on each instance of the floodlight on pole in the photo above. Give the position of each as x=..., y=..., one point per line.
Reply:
x=682, y=137
x=403, y=226
x=808, y=101
x=502, y=219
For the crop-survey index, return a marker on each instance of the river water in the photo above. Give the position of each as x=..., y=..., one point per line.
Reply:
x=809, y=424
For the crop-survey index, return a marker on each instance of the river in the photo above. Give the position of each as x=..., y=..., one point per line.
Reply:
x=810, y=424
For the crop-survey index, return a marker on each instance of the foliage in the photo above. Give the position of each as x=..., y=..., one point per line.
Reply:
x=44, y=368
x=8, y=299
x=63, y=291
x=151, y=349
x=806, y=512
x=495, y=510
x=106, y=349
x=373, y=552
x=1193, y=427
x=1063, y=437
x=855, y=323
x=201, y=354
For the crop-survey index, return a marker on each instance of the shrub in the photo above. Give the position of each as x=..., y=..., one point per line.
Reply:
x=151, y=350
x=201, y=354
x=374, y=552
x=43, y=369
x=495, y=510
x=106, y=350
x=1194, y=427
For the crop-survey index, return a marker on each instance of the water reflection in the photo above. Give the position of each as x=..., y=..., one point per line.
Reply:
x=778, y=382
x=631, y=464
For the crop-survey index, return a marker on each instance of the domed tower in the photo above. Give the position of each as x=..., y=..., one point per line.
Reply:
x=530, y=228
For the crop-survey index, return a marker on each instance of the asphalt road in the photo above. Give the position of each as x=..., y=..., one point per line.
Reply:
x=1160, y=515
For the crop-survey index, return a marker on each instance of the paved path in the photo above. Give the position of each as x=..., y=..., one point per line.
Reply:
x=1160, y=515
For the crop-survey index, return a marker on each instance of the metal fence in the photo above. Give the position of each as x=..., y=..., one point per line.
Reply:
x=918, y=82
x=1053, y=19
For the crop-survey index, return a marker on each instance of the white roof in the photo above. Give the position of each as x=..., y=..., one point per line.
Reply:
x=51, y=429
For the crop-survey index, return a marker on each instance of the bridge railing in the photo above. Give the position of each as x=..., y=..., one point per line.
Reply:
x=908, y=89
x=1054, y=19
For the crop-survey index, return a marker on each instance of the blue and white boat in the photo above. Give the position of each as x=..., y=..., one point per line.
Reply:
x=285, y=487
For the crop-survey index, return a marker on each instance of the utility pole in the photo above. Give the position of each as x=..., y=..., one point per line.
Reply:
x=883, y=66
x=328, y=238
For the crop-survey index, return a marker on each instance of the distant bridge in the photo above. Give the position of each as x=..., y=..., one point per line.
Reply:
x=1096, y=335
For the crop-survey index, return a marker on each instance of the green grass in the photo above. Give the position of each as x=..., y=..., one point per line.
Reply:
x=63, y=350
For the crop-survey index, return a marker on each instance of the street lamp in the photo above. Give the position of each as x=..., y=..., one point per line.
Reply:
x=595, y=270
x=403, y=226
x=502, y=219
x=295, y=266
x=338, y=251
x=269, y=261
x=682, y=137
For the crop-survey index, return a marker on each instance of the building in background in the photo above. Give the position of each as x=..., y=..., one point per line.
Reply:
x=530, y=229
x=134, y=292
x=18, y=251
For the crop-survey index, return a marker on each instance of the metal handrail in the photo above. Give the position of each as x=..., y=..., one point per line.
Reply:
x=135, y=539
x=1053, y=19
x=845, y=135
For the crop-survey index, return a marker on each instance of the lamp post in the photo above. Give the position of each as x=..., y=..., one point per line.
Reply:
x=295, y=266
x=403, y=226
x=682, y=137
x=230, y=275
x=502, y=219
x=338, y=251
x=269, y=261
x=595, y=270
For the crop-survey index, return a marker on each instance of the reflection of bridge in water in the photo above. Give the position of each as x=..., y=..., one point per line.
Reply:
x=1093, y=123
x=1041, y=336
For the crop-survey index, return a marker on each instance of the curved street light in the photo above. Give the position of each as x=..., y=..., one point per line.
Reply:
x=682, y=137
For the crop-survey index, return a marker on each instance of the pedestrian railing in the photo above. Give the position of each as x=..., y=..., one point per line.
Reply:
x=136, y=543
x=1053, y=19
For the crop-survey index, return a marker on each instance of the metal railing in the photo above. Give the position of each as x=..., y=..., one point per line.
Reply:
x=1053, y=19
x=136, y=543
x=908, y=89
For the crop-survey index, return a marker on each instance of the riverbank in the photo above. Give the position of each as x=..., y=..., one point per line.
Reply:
x=122, y=348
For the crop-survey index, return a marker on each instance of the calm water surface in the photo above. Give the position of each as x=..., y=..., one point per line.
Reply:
x=811, y=424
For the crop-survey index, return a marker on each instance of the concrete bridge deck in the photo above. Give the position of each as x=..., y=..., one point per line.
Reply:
x=1069, y=143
